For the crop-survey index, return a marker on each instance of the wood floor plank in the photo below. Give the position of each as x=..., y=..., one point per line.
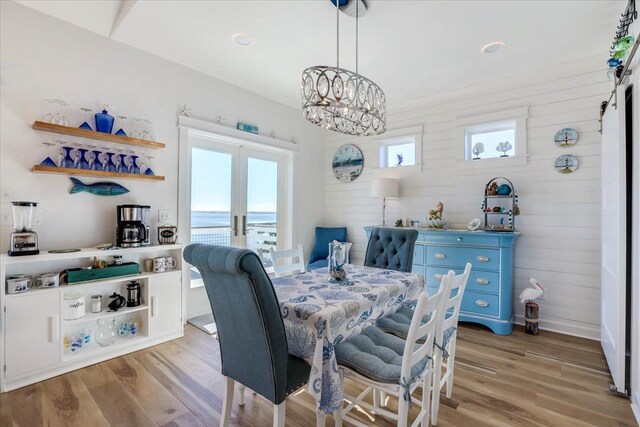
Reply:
x=159, y=403
x=73, y=402
x=516, y=380
x=118, y=406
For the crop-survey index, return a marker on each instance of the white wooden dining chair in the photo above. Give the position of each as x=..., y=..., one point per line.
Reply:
x=415, y=368
x=280, y=269
x=446, y=334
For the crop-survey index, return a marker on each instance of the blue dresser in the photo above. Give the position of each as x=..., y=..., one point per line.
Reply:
x=488, y=298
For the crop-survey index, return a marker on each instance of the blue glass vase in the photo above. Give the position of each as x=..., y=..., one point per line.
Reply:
x=111, y=166
x=104, y=122
x=83, y=163
x=67, y=162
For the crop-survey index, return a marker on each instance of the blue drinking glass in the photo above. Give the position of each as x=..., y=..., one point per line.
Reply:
x=134, y=168
x=111, y=167
x=122, y=167
x=68, y=162
x=97, y=164
x=83, y=163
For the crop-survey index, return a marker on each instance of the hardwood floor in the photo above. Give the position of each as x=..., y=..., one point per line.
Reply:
x=519, y=380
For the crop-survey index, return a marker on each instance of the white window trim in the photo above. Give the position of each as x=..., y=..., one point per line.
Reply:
x=520, y=115
x=398, y=171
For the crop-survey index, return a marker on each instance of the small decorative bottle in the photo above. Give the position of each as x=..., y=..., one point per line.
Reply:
x=104, y=121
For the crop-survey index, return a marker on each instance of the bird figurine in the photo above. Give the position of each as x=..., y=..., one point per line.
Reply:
x=534, y=293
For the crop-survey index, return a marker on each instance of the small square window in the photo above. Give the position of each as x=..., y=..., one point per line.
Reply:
x=490, y=140
x=400, y=150
x=401, y=154
x=493, y=139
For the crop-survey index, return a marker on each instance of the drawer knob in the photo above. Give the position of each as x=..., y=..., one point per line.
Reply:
x=440, y=256
x=483, y=258
x=438, y=276
x=459, y=239
x=482, y=303
x=482, y=281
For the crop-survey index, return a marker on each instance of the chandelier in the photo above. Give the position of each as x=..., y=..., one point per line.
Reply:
x=341, y=100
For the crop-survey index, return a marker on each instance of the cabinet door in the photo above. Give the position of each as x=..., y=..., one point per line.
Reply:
x=165, y=295
x=32, y=341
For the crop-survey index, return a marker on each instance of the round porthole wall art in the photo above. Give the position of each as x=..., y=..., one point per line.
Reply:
x=566, y=163
x=348, y=163
x=566, y=137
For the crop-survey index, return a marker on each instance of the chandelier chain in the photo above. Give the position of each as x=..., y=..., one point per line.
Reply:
x=357, y=16
x=337, y=33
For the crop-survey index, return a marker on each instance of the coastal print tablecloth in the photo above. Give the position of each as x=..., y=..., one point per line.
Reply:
x=319, y=314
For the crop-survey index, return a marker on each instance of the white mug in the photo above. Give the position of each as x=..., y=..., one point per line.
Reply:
x=170, y=263
x=158, y=265
x=19, y=285
x=47, y=280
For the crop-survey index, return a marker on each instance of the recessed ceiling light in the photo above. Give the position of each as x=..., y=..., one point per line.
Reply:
x=493, y=47
x=242, y=39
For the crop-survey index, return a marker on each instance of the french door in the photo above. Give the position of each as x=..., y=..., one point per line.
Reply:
x=237, y=196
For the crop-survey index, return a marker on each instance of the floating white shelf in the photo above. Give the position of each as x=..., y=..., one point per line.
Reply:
x=104, y=314
x=94, y=349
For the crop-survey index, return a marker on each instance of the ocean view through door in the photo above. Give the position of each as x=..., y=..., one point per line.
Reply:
x=235, y=198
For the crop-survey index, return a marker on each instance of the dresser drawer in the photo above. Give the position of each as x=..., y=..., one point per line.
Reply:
x=418, y=255
x=479, y=303
x=446, y=256
x=466, y=239
x=484, y=281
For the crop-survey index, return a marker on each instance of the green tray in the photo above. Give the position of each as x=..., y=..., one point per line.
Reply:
x=76, y=275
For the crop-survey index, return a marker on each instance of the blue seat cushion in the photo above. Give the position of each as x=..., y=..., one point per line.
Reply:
x=324, y=236
x=321, y=263
x=398, y=323
x=376, y=355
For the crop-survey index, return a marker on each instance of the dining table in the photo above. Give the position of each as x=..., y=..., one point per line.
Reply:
x=319, y=313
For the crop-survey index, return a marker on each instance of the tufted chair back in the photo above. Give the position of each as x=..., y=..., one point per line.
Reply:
x=391, y=249
x=246, y=310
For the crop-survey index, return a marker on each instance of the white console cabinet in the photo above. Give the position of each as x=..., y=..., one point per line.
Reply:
x=35, y=337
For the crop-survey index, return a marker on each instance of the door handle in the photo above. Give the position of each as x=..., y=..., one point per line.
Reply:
x=244, y=225
x=154, y=306
x=482, y=258
x=482, y=303
x=438, y=276
x=235, y=225
x=482, y=281
x=439, y=255
x=54, y=328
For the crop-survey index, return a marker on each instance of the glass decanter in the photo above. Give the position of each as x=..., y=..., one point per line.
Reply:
x=107, y=332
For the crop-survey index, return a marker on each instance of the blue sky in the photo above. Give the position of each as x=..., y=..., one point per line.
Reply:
x=211, y=182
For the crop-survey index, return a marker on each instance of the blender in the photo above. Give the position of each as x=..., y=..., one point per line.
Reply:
x=24, y=241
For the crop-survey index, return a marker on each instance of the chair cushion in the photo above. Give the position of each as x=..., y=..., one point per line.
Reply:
x=376, y=355
x=324, y=236
x=297, y=373
x=321, y=263
x=398, y=323
x=391, y=248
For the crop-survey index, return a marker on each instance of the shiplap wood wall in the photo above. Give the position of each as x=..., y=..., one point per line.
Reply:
x=560, y=221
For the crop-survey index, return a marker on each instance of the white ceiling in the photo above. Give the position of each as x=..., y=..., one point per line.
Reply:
x=411, y=49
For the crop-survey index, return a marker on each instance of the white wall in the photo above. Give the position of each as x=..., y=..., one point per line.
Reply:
x=560, y=222
x=42, y=57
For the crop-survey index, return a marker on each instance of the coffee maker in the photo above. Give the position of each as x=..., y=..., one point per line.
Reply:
x=24, y=241
x=133, y=226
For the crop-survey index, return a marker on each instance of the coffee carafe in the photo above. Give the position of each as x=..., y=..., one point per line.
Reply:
x=24, y=241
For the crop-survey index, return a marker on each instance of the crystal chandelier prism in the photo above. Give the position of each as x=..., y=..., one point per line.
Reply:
x=342, y=100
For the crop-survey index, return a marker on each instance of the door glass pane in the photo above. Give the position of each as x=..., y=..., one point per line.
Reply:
x=210, y=200
x=262, y=203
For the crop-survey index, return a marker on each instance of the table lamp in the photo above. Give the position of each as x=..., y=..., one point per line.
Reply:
x=384, y=188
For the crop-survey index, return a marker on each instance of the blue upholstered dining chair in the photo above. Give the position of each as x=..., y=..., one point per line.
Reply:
x=391, y=248
x=320, y=252
x=253, y=343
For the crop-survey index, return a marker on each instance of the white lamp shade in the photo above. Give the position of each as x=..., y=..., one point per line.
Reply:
x=384, y=187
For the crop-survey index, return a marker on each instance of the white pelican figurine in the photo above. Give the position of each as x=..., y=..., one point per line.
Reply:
x=534, y=293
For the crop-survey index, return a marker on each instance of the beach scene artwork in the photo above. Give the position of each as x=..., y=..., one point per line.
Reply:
x=566, y=137
x=567, y=163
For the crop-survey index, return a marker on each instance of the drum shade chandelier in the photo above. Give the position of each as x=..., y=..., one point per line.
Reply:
x=341, y=100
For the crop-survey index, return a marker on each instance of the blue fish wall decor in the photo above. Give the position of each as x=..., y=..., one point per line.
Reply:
x=98, y=188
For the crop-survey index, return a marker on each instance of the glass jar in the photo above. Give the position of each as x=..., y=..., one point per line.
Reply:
x=339, y=261
x=107, y=332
